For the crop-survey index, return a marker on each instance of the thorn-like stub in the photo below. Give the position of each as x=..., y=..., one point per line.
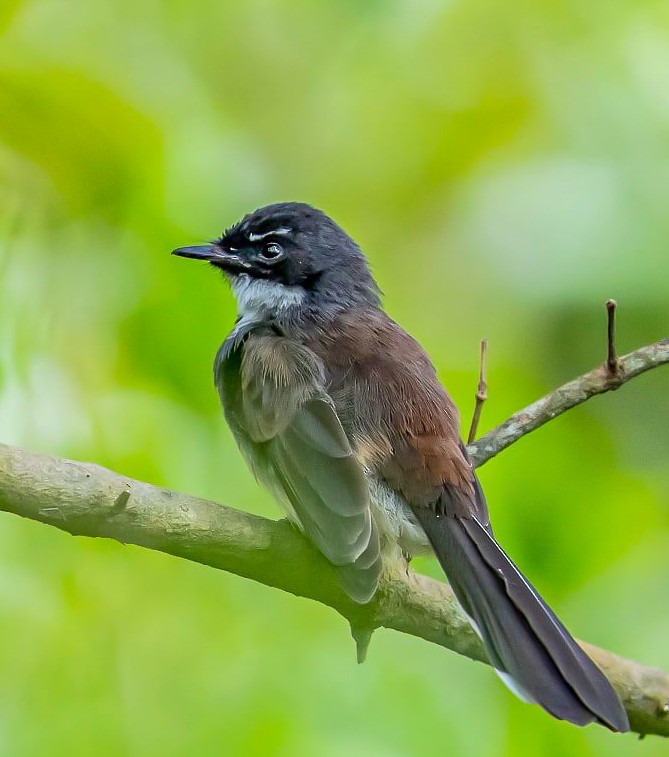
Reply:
x=121, y=501
x=362, y=635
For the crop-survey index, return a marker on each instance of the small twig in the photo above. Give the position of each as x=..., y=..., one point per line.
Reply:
x=481, y=392
x=571, y=394
x=612, y=362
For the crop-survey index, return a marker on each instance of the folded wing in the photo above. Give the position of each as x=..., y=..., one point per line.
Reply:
x=288, y=429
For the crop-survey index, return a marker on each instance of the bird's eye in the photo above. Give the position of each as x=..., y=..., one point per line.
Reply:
x=271, y=251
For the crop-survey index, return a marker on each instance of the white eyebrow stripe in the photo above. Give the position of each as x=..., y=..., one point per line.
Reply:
x=257, y=237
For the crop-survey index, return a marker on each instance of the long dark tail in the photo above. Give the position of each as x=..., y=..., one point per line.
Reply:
x=523, y=638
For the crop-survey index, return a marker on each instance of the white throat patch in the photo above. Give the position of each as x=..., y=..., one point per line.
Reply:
x=258, y=299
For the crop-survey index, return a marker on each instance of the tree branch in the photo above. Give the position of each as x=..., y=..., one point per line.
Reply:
x=597, y=381
x=87, y=500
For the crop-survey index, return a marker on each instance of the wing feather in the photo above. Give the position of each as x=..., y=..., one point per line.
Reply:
x=287, y=427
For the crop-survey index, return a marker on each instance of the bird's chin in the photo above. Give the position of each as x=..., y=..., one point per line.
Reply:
x=233, y=278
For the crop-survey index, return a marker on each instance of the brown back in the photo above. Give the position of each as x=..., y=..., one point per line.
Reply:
x=401, y=422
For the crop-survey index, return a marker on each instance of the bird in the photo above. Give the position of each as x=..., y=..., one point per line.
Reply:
x=339, y=412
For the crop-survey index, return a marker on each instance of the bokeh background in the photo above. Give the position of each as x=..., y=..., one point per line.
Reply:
x=506, y=167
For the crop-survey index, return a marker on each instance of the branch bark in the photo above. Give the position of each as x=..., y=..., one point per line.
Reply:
x=87, y=500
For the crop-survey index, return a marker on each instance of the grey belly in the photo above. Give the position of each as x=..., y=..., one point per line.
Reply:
x=396, y=522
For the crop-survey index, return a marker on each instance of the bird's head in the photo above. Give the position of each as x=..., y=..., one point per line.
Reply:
x=286, y=257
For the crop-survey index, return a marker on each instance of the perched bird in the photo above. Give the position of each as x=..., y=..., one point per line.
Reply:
x=339, y=412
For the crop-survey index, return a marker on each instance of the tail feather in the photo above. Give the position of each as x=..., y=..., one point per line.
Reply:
x=522, y=636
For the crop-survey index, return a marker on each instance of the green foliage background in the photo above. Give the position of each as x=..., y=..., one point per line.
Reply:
x=506, y=167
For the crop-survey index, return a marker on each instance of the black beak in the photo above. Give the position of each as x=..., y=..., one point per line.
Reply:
x=199, y=252
x=214, y=254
